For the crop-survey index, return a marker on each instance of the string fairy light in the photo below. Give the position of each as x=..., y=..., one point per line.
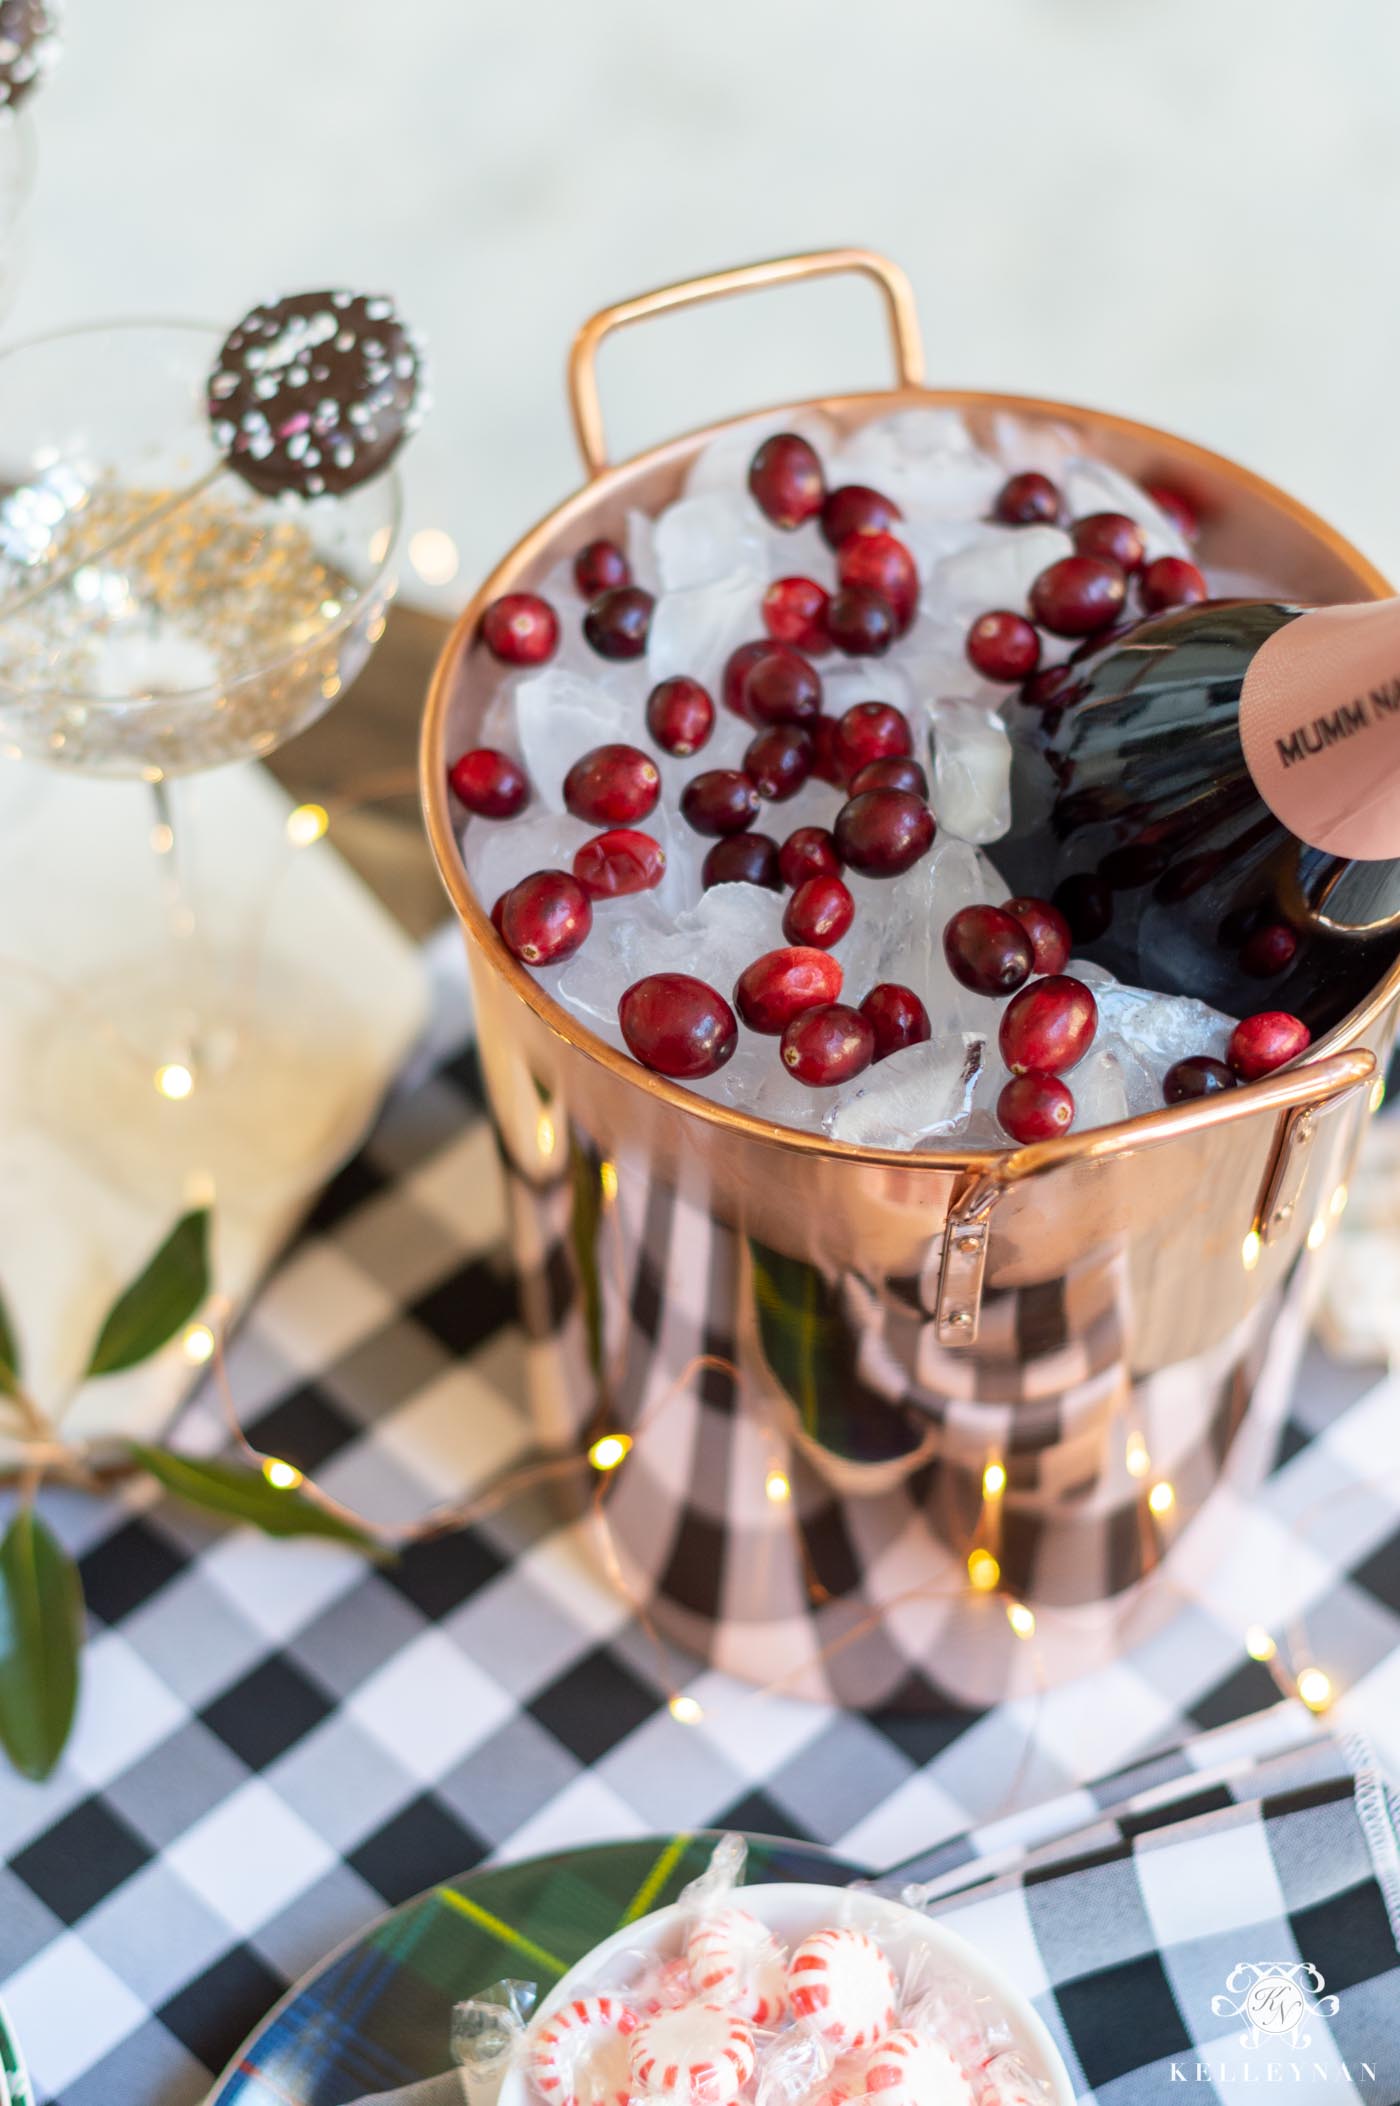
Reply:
x=983, y=1571
x=685, y=1710
x=1136, y=1459
x=1259, y=1644
x=197, y=1344
x=174, y=1080
x=282, y=1476
x=1162, y=1497
x=610, y=1450
x=1250, y=1249
x=993, y=1480
x=1315, y=1689
x=777, y=1487
x=307, y=823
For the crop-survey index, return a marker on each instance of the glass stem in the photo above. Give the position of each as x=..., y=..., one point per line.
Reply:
x=169, y=843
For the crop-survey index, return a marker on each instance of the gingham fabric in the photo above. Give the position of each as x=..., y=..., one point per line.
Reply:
x=275, y=1740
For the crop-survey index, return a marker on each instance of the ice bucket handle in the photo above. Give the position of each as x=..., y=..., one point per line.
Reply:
x=1296, y=1096
x=749, y=277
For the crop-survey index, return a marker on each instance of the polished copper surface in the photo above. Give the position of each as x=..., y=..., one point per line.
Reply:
x=1202, y=1210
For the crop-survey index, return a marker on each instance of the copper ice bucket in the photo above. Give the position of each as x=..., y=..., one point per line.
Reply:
x=891, y=1415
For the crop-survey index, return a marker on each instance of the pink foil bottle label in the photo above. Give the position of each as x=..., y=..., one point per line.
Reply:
x=1320, y=728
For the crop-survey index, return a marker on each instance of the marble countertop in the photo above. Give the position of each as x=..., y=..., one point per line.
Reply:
x=1186, y=214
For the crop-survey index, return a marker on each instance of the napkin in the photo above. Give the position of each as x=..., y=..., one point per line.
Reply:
x=1223, y=1915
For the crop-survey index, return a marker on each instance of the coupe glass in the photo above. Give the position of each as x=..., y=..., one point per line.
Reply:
x=207, y=636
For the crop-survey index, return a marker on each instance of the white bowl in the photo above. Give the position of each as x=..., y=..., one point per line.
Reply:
x=793, y=1912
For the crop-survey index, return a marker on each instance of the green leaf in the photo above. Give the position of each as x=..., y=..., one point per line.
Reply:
x=151, y=1310
x=240, y=1493
x=41, y=1635
x=9, y=1353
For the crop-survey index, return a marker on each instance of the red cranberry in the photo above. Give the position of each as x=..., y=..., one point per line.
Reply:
x=1003, y=645
x=743, y=859
x=826, y=1046
x=1196, y=1076
x=896, y=1016
x=601, y=567
x=1049, y=1024
x=498, y=915
x=1113, y=536
x=1078, y=595
x=677, y=1026
x=885, y=565
x=1035, y=1107
x=1086, y=903
x=1178, y=508
x=891, y=774
x=860, y=622
x=988, y=950
x=778, y=761
x=489, y=783
x=1265, y=1042
x=618, y=622
x=721, y=801
x=781, y=688
x=1027, y=500
x=618, y=862
x=780, y=984
x=883, y=832
x=520, y=629
x=1172, y=582
x=856, y=509
x=680, y=716
x=809, y=852
x=545, y=917
x=874, y=731
x=736, y=672
x=819, y=912
x=786, y=480
x=1048, y=930
x=1269, y=950
x=1049, y=688
x=612, y=786
x=828, y=762
x=794, y=612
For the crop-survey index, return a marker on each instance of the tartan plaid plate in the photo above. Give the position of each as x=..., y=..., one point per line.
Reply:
x=376, y=2015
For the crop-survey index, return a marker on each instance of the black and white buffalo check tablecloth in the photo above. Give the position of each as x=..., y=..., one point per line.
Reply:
x=276, y=1739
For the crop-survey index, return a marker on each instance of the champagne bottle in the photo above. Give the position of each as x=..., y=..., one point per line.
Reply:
x=1213, y=799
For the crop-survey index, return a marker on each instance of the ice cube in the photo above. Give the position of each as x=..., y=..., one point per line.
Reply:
x=1099, y=1087
x=1159, y=1029
x=727, y=928
x=623, y=944
x=1025, y=444
x=1094, y=486
x=914, y=1095
x=498, y=853
x=694, y=631
x=641, y=552
x=926, y=461
x=851, y=680
x=904, y=918
x=997, y=569
x=971, y=790
x=559, y=716
x=935, y=664
x=714, y=535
